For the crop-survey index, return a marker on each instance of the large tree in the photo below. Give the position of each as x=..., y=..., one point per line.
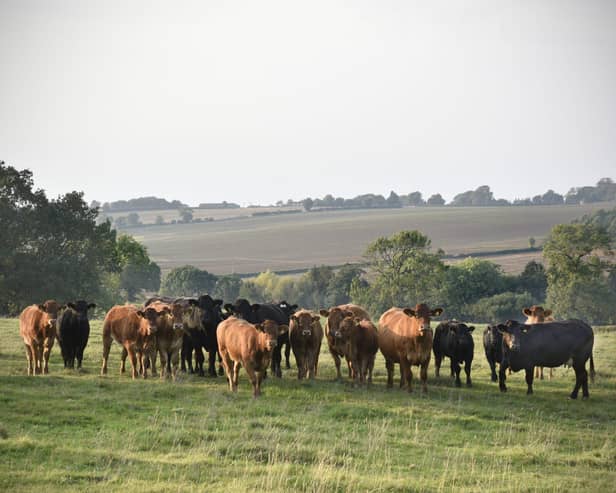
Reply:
x=188, y=281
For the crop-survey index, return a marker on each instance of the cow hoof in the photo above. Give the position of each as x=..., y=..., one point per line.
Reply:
x=494, y=379
x=458, y=384
x=573, y=396
x=585, y=397
x=503, y=389
x=221, y=372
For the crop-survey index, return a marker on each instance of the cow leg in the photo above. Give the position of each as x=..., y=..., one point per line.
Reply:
x=337, y=363
x=467, y=370
x=236, y=375
x=123, y=360
x=254, y=380
x=350, y=368
x=370, y=368
x=455, y=371
x=287, y=353
x=37, y=351
x=30, y=359
x=423, y=373
x=581, y=380
x=174, y=360
x=186, y=354
x=502, y=376
x=106, y=348
x=300, y=367
x=277, y=361
x=406, y=375
x=163, y=364
x=585, y=394
x=529, y=380
x=437, y=364
x=47, y=345
x=551, y=373
x=389, y=365
x=133, y=360
x=221, y=372
x=211, y=364
x=150, y=357
x=492, y=363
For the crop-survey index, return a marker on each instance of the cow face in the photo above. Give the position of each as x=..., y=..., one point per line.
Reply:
x=303, y=323
x=536, y=314
x=177, y=315
x=461, y=333
x=51, y=308
x=191, y=316
x=346, y=327
x=81, y=307
x=243, y=309
x=272, y=330
x=513, y=334
x=422, y=316
x=334, y=317
x=152, y=317
x=211, y=313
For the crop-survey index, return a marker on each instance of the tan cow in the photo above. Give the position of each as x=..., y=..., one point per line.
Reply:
x=335, y=315
x=37, y=327
x=405, y=337
x=243, y=344
x=360, y=342
x=537, y=315
x=135, y=331
x=305, y=337
x=170, y=335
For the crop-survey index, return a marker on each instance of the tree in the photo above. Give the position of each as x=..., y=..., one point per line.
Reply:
x=405, y=272
x=531, y=242
x=578, y=272
x=415, y=198
x=533, y=280
x=132, y=220
x=188, y=281
x=159, y=220
x=339, y=286
x=186, y=215
x=138, y=271
x=228, y=287
x=436, y=199
x=393, y=200
x=307, y=203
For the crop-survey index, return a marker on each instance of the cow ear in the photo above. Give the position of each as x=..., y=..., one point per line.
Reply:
x=71, y=305
x=547, y=313
x=91, y=305
x=357, y=320
x=282, y=329
x=409, y=311
x=294, y=318
x=141, y=313
x=436, y=312
x=316, y=318
x=502, y=328
x=41, y=307
x=259, y=327
x=324, y=313
x=255, y=307
x=527, y=312
x=228, y=307
x=283, y=304
x=193, y=302
x=471, y=328
x=294, y=307
x=218, y=302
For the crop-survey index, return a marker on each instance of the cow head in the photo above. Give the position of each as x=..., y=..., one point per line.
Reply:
x=271, y=330
x=51, y=308
x=152, y=317
x=422, y=316
x=303, y=322
x=243, y=309
x=334, y=317
x=492, y=334
x=346, y=327
x=536, y=314
x=287, y=309
x=461, y=333
x=177, y=314
x=192, y=315
x=513, y=333
x=81, y=307
x=211, y=312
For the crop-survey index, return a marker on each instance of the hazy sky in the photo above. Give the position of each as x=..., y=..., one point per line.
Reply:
x=256, y=101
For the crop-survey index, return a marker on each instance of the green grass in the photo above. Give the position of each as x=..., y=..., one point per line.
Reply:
x=297, y=241
x=76, y=431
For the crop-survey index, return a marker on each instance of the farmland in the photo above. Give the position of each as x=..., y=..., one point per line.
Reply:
x=299, y=241
x=75, y=431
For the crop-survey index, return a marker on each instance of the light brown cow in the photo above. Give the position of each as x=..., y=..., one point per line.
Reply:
x=243, y=344
x=537, y=315
x=135, y=331
x=405, y=337
x=360, y=341
x=335, y=315
x=37, y=327
x=305, y=337
x=170, y=335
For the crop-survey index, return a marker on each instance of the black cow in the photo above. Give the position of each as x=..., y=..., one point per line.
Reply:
x=259, y=313
x=73, y=332
x=211, y=312
x=284, y=338
x=493, y=346
x=454, y=340
x=548, y=344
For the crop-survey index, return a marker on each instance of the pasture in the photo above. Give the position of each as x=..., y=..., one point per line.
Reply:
x=75, y=431
x=300, y=241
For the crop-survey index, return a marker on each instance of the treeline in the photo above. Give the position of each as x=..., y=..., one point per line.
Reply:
x=54, y=249
x=604, y=191
x=139, y=204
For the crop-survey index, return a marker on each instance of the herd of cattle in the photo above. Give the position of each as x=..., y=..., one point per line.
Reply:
x=253, y=335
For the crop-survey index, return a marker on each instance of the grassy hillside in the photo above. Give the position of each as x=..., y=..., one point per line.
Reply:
x=297, y=241
x=75, y=431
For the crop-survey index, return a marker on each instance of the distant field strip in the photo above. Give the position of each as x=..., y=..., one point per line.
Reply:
x=296, y=241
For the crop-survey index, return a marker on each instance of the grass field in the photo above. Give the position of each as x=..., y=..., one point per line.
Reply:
x=297, y=241
x=75, y=431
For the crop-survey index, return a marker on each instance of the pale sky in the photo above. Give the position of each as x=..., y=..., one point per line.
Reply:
x=259, y=101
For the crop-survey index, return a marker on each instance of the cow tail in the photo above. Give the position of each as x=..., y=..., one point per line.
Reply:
x=592, y=369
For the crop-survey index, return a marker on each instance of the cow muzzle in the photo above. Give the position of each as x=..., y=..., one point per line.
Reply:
x=178, y=326
x=306, y=332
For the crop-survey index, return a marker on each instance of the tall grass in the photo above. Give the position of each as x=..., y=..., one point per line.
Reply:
x=75, y=430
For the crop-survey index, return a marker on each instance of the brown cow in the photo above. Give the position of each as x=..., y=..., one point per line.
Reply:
x=133, y=329
x=170, y=335
x=243, y=344
x=37, y=327
x=537, y=315
x=360, y=341
x=305, y=336
x=335, y=315
x=405, y=337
